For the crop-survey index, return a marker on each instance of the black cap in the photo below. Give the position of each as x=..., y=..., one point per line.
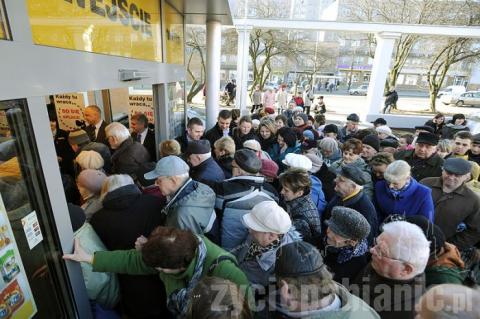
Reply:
x=476, y=138
x=330, y=128
x=353, y=117
x=427, y=138
x=379, y=121
x=434, y=234
x=198, y=147
x=389, y=142
x=373, y=141
x=457, y=166
x=298, y=259
x=425, y=128
x=354, y=174
x=248, y=160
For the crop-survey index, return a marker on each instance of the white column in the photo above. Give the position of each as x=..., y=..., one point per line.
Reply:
x=214, y=44
x=242, y=67
x=380, y=69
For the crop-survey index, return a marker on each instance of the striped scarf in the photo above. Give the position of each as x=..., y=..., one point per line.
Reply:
x=178, y=300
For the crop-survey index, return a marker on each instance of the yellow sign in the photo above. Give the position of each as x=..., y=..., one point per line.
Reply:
x=174, y=35
x=128, y=28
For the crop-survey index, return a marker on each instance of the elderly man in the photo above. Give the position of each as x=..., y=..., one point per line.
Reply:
x=96, y=126
x=423, y=159
x=449, y=301
x=269, y=229
x=190, y=203
x=79, y=141
x=128, y=156
x=306, y=289
x=204, y=168
x=143, y=135
x=349, y=193
x=238, y=195
x=350, y=129
x=221, y=129
x=194, y=132
x=370, y=147
x=457, y=208
x=396, y=273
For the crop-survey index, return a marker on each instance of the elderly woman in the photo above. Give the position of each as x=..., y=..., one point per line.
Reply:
x=126, y=215
x=243, y=132
x=191, y=257
x=296, y=187
x=330, y=150
x=286, y=143
x=345, y=245
x=267, y=134
x=351, y=151
x=89, y=183
x=224, y=149
x=270, y=228
x=401, y=194
x=128, y=156
x=89, y=160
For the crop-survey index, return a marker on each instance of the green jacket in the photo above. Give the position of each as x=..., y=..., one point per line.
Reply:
x=131, y=262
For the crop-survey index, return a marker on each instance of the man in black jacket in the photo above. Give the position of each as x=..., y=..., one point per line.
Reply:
x=221, y=129
x=391, y=100
x=423, y=160
x=96, y=126
x=143, y=135
x=194, y=132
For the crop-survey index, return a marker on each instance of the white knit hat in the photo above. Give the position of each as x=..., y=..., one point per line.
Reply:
x=298, y=161
x=89, y=160
x=268, y=217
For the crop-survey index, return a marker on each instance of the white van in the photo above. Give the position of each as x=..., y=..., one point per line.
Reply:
x=451, y=92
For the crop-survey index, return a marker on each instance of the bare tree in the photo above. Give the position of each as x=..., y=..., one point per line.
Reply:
x=195, y=44
x=403, y=11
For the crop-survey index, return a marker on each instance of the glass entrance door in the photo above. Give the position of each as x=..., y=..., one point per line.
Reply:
x=33, y=282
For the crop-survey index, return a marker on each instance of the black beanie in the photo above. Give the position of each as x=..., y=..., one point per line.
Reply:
x=288, y=135
x=433, y=233
x=373, y=141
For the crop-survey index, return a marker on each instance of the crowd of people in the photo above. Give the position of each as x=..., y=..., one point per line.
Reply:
x=289, y=217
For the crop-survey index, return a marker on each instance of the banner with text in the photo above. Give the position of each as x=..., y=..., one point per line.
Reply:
x=141, y=104
x=69, y=109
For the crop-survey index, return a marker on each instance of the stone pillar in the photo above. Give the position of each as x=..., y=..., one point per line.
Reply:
x=214, y=45
x=380, y=69
x=242, y=67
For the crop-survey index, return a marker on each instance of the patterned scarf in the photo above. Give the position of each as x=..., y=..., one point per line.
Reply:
x=256, y=250
x=397, y=193
x=178, y=300
x=344, y=254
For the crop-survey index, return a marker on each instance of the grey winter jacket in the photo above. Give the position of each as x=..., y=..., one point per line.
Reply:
x=259, y=270
x=192, y=207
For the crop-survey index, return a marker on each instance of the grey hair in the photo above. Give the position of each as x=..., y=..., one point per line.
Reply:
x=397, y=170
x=114, y=182
x=408, y=243
x=328, y=144
x=117, y=130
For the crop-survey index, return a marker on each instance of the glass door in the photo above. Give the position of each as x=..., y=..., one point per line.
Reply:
x=34, y=281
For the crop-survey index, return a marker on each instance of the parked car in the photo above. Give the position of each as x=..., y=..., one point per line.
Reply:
x=452, y=90
x=471, y=98
x=361, y=90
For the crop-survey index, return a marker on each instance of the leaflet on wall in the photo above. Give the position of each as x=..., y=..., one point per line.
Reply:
x=16, y=299
x=32, y=230
x=141, y=104
x=69, y=109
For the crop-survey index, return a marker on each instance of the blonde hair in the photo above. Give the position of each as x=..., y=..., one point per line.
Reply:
x=170, y=147
x=89, y=160
x=445, y=146
x=225, y=144
x=269, y=124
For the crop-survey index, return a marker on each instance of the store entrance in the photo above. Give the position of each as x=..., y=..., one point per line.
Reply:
x=34, y=282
